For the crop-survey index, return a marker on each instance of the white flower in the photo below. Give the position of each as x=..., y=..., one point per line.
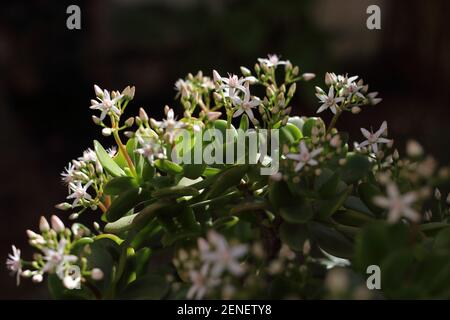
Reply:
x=14, y=264
x=67, y=176
x=79, y=192
x=150, y=149
x=231, y=84
x=222, y=257
x=304, y=157
x=373, y=139
x=246, y=104
x=112, y=151
x=398, y=205
x=56, y=260
x=272, y=60
x=89, y=155
x=328, y=101
x=170, y=125
x=201, y=283
x=106, y=104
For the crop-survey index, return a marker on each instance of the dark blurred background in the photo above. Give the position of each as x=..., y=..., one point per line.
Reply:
x=47, y=74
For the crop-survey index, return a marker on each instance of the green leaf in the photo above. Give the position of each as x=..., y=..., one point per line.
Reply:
x=309, y=124
x=230, y=177
x=142, y=259
x=367, y=192
x=175, y=192
x=442, y=241
x=330, y=240
x=376, y=241
x=193, y=171
x=123, y=204
x=137, y=219
x=286, y=137
x=294, y=131
x=356, y=167
x=225, y=222
x=280, y=195
x=106, y=161
x=356, y=204
x=300, y=213
x=326, y=208
x=327, y=183
x=294, y=235
x=168, y=166
x=119, y=185
x=432, y=228
x=296, y=121
x=150, y=287
x=244, y=123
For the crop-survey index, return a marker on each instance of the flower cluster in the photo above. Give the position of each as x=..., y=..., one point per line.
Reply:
x=54, y=245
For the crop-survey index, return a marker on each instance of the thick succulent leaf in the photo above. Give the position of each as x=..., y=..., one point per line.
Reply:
x=106, y=161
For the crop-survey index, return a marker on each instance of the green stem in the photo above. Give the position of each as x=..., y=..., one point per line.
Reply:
x=333, y=121
x=123, y=149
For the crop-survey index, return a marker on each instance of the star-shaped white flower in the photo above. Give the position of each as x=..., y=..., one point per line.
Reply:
x=89, y=155
x=67, y=176
x=170, y=125
x=373, y=139
x=398, y=205
x=56, y=259
x=272, y=60
x=14, y=263
x=106, y=104
x=329, y=101
x=221, y=256
x=150, y=149
x=246, y=104
x=79, y=192
x=201, y=283
x=305, y=157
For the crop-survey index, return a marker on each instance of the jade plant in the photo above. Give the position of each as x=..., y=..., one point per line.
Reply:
x=169, y=227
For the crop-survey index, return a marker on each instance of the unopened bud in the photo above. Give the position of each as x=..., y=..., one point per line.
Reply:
x=437, y=194
x=356, y=110
x=308, y=76
x=98, y=91
x=414, y=149
x=295, y=71
x=37, y=278
x=43, y=224
x=129, y=122
x=96, y=120
x=329, y=79
x=245, y=72
x=57, y=224
x=106, y=132
x=63, y=206
x=395, y=155
x=292, y=90
x=32, y=235
x=216, y=76
x=96, y=274
x=74, y=216
x=128, y=92
x=143, y=115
